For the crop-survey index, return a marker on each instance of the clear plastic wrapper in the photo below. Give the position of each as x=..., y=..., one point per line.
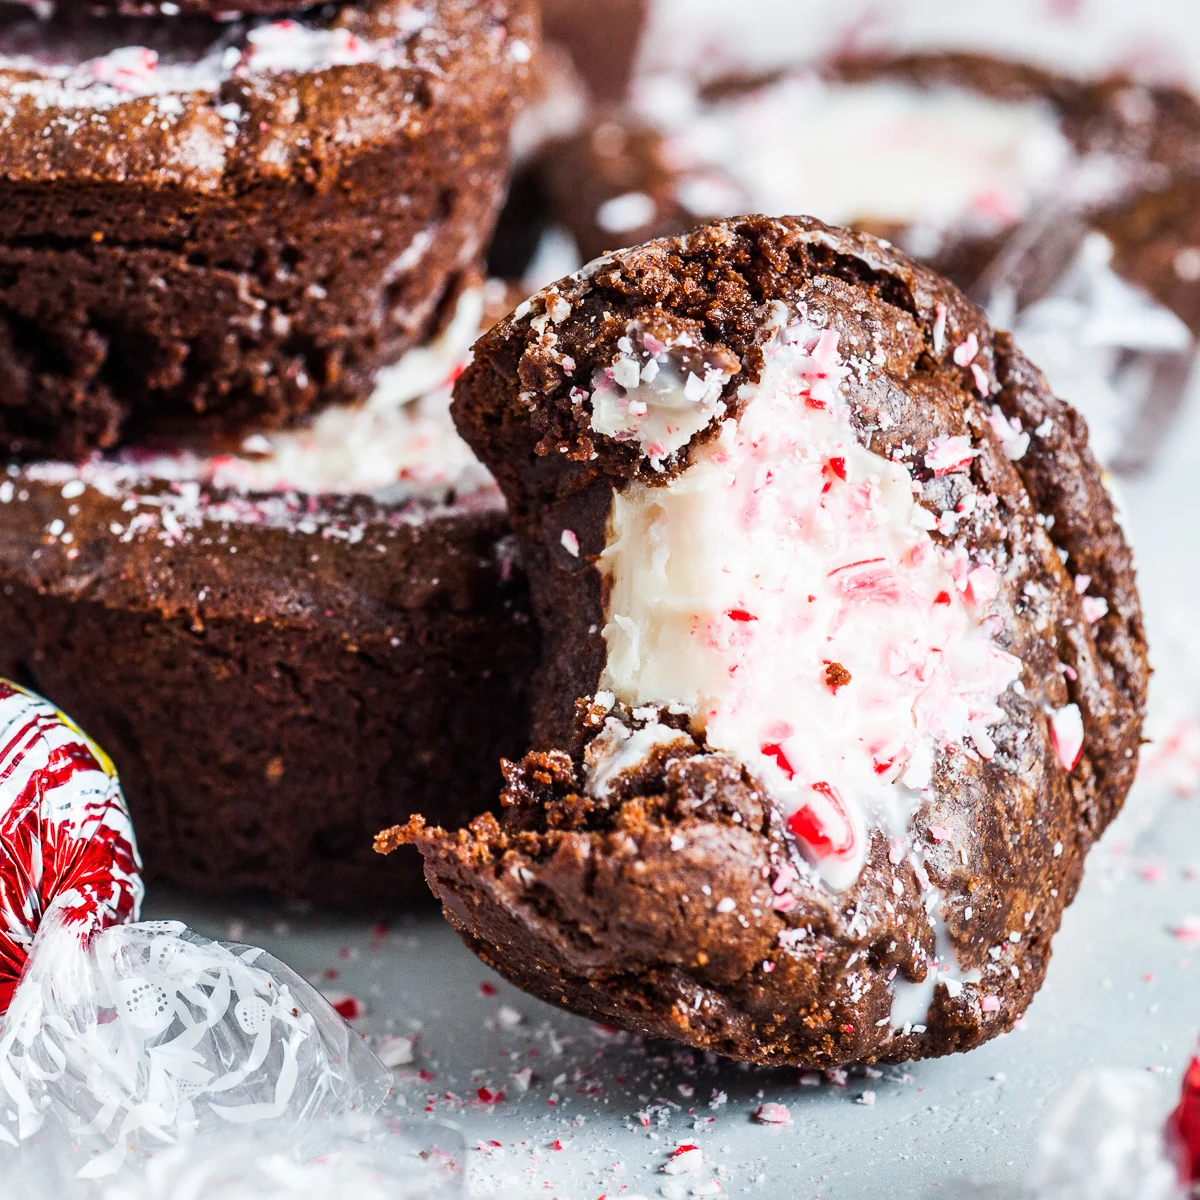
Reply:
x=119, y=1041
x=149, y=1034
x=1105, y=1141
x=354, y=1157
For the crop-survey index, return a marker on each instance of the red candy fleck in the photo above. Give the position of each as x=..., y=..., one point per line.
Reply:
x=487, y=1096
x=808, y=826
x=347, y=1006
x=740, y=614
x=775, y=752
x=1066, y=734
x=487, y=989
x=834, y=468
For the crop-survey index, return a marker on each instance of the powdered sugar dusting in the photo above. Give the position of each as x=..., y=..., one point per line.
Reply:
x=71, y=68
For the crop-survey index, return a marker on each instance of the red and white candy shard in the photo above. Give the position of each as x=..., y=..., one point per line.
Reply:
x=65, y=833
x=785, y=591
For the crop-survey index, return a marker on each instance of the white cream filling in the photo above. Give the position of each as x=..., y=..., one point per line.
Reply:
x=617, y=749
x=648, y=396
x=784, y=556
x=911, y=999
x=931, y=160
x=400, y=445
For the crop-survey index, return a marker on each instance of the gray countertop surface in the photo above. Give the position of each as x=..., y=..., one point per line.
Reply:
x=587, y=1112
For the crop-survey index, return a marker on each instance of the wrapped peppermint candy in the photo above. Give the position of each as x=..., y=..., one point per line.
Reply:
x=120, y=1039
x=65, y=834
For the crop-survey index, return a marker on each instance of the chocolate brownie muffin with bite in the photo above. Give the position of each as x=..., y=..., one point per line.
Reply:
x=287, y=644
x=970, y=147
x=228, y=225
x=843, y=662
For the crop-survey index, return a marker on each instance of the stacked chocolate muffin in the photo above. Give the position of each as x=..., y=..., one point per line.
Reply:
x=240, y=539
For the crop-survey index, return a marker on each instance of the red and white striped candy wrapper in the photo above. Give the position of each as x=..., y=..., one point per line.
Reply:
x=65, y=833
x=120, y=1038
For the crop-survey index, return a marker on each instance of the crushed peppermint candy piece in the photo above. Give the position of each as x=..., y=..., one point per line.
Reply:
x=347, y=1006
x=570, y=542
x=1184, y=1122
x=1066, y=733
x=395, y=1051
x=127, y=69
x=686, y=1159
x=939, y=327
x=1187, y=929
x=1013, y=440
x=982, y=585
x=773, y=1114
x=965, y=351
x=947, y=454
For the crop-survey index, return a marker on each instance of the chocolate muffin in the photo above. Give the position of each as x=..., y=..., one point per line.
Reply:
x=843, y=662
x=1041, y=195
x=970, y=147
x=285, y=647
x=226, y=226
